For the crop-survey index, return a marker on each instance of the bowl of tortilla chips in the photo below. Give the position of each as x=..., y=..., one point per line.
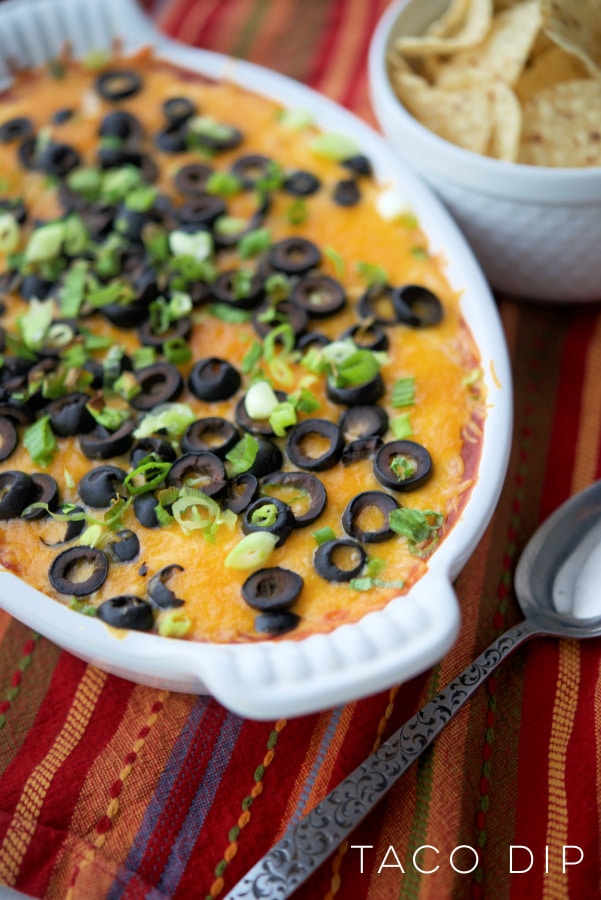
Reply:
x=497, y=104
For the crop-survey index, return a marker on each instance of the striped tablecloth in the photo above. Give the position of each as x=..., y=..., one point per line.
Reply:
x=108, y=789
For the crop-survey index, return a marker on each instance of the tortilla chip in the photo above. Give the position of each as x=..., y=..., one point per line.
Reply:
x=575, y=25
x=562, y=126
x=503, y=54
x=451, y=20
x=464, y=117
x=507, y=127
x=475, y=27
x=551, y=67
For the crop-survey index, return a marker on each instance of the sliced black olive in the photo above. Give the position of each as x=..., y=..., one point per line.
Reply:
x=172, y=138
x=100, y=486
x=319, y=432
x=8, y=438
x=125, y=315
x=228, y=138
x=346, y=192
x=383, y=504
x=16, y=129
x=160, y=595
x=240, y=492
x=365, y=394
x=277, y=622
x=213, y=379
x=269, y=514
x=161, y=450
x=319, y=295
x=402, y=465
x=224, y=290
x=45, y=491
x=17, y=413
x=125, y=546
x=362, y=448
x=417, y=306
x=204, y=471
x=73, y=527
x=179, y=109
x=34, y=286
x=98, y=219
x=211, y=434
x=58, y=159
x=306, y=485
x=301, y=184
x=63, y=570
x=367, y=336
x=102, y=443
x=181, y=329
x=145, y=506
x=287, y=312
x=159, y=383
x=294, y=255
x=17, y=491
x=126, y=611
x=192, y=179
x=251, y=168
x=201, y=210
x=339, y=560
x=312, y=339
x=118, y=84
x=272, y=588
x=359, y=165
x=376, y=304
x=268, y=459
x=146, y=286
x=122, y=124
x=363, y=421
x=18, y=210
x=62, y=115
x=69, y=415
x=27, y=154
x=255, y=426
x=96, y=370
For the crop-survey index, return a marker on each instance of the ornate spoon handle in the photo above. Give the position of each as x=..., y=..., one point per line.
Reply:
x=311, y=840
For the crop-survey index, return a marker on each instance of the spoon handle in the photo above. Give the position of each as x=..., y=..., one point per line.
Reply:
x=311, y=840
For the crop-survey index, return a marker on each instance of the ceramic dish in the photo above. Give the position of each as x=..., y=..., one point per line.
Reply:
x=285, y=678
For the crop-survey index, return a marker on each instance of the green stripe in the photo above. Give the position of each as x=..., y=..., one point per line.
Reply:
x=250, y=29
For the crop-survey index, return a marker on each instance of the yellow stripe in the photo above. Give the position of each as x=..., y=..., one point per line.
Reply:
x=589, y=427
x=343, y=56
x=22, y=828
x=564, y=711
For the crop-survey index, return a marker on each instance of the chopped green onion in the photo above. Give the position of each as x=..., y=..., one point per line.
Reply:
x=141, y=199
x=254, y=242
x=472, y=377
x=337, y=260
x=277, y=287
x=401, y=426
x=177, y=351
x=118, y=183
x=297, y=212
x=207, y=126
x=334, y=146
x=173, y=418
x=86, y=609
x=414, y=524
x=242, y=455
x=403, y=392
x=76, y=235
x=85, y=181
x=419, y=253
x=40, y=443
x=143, y=356
x=34, y=324
x=96, y=60
x=295, y=119
x=366, y=583
x=252, y=357
x=271, y=180
x=223, y=184
x=228, y=313
x=281, y=334
x=358, y=368
x=305, y=401
x=126, y=385
x=374, y=566
x=372, y=273
x=230, y=225
x=173, y=623
x=45, y=243
x=252, y=551
x=93, y=536
x=323, y=535
x=152, y=471
x=282, y=417
x=9, y=233
x=260, y=400
x=72, y=292
x=265, y=516
x=109, y=417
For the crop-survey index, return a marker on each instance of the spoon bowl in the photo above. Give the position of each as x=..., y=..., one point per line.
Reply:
x=556, y=584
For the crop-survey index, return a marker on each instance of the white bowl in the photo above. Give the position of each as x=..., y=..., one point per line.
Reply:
x=535, y=230
x=286, y=678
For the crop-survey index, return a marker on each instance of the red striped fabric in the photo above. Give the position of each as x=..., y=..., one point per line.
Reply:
x=113, y=790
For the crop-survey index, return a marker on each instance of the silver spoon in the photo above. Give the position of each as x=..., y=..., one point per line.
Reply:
x=545, y=582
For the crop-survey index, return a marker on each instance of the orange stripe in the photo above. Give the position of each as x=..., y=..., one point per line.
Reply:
x=589, y=425
x=195, y=20
x=24, y=822
x=342, y=59
x=564, y=712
